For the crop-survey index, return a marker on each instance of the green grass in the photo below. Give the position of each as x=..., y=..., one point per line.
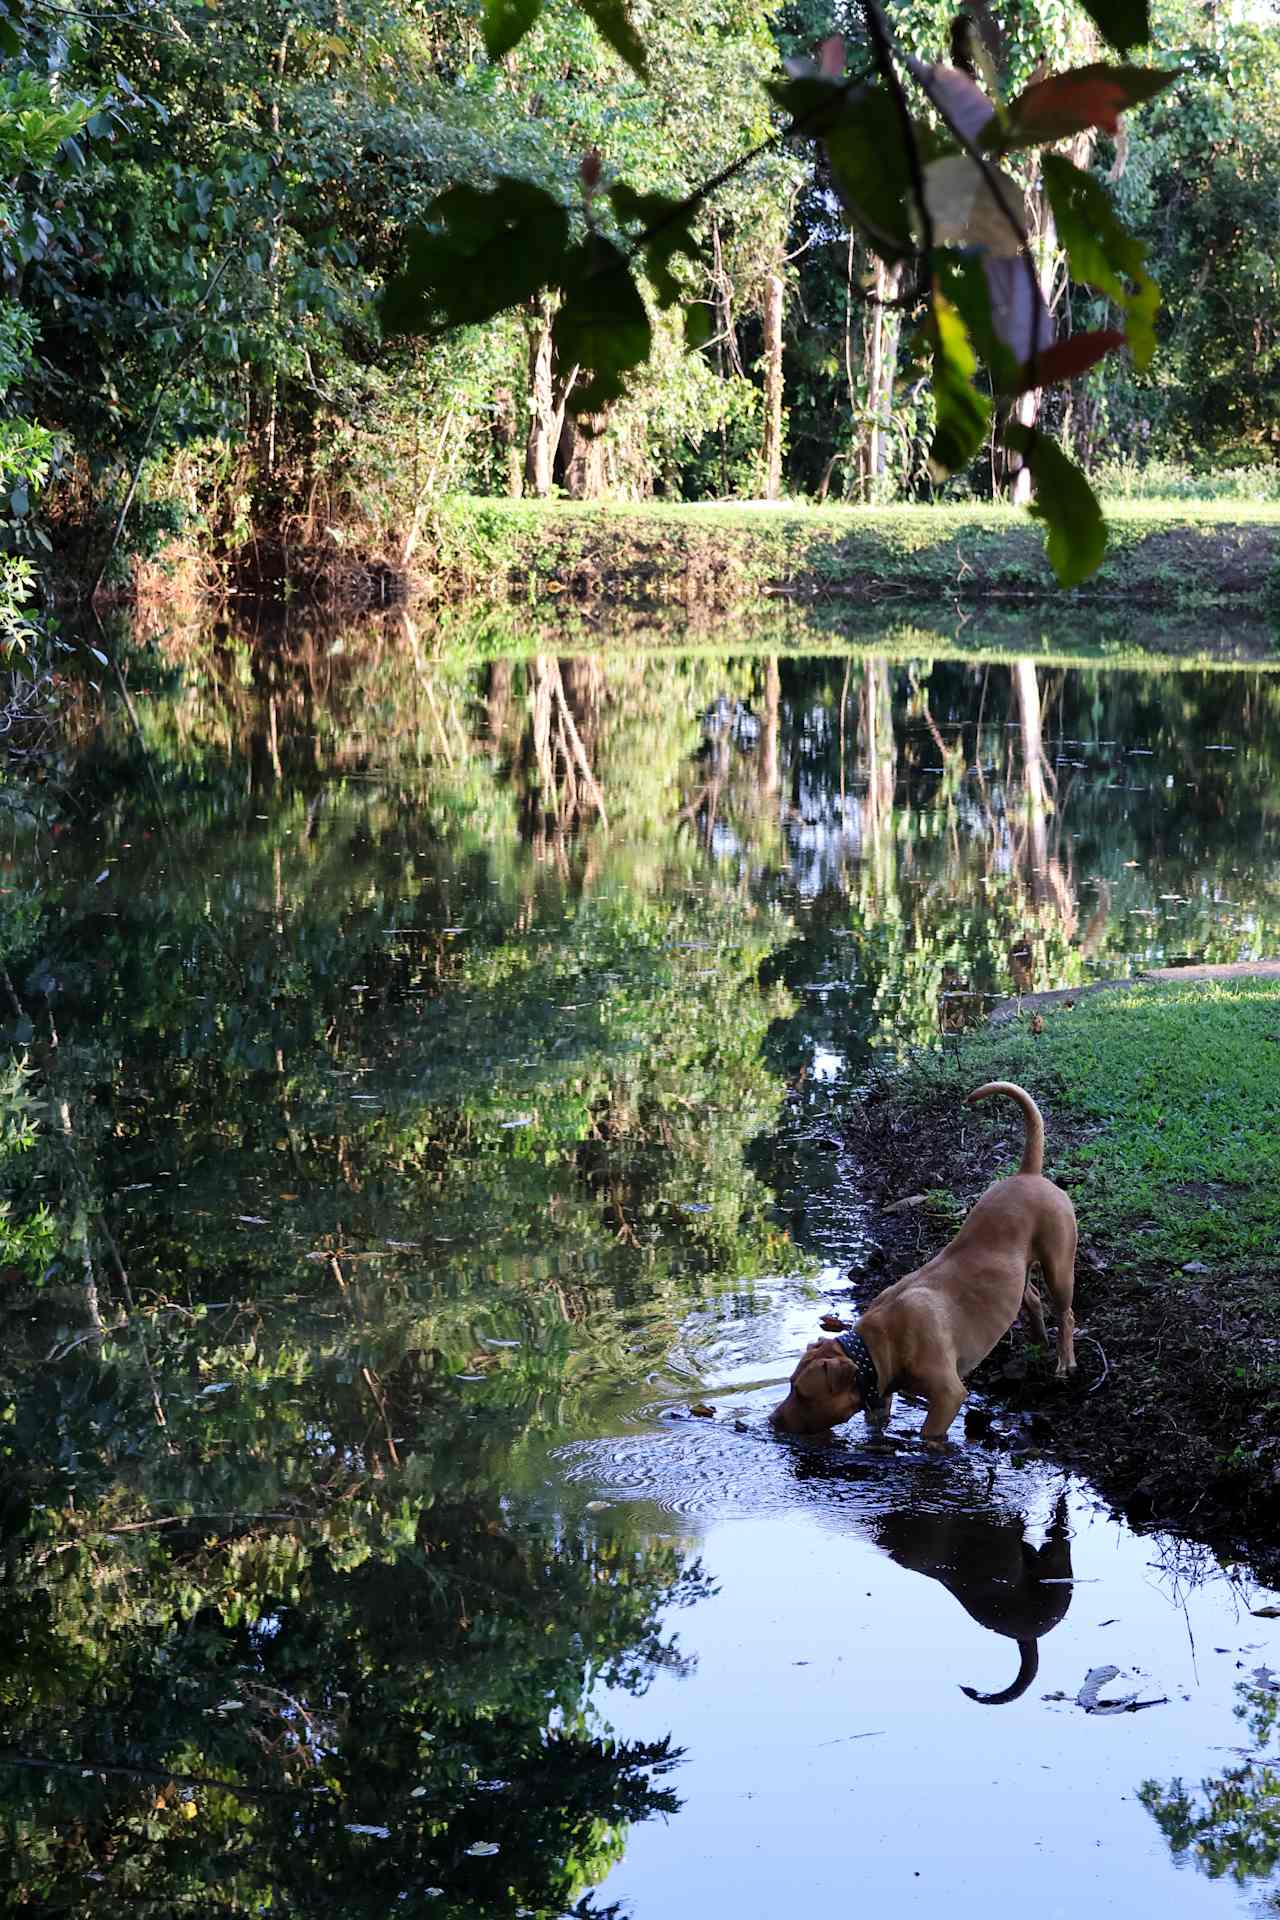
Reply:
x=1161, y=552
x=1172, y=1099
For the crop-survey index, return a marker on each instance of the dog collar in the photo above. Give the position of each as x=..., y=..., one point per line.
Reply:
x=855, y=1348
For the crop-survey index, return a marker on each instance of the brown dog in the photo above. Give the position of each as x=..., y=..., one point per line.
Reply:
x=929, y=1330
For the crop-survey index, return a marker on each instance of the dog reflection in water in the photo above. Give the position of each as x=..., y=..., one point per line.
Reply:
x=977, y=1548
x=985, y=1561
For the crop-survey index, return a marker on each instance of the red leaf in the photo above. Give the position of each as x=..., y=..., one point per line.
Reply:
x=1070, y=357
x=1067, y=103
x=831, y=57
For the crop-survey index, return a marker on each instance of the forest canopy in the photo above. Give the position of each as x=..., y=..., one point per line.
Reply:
x=269, y=261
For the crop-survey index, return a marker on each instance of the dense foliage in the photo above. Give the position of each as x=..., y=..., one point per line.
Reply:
x=206, y=204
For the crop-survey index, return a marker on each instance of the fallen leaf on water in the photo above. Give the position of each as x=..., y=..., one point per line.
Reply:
x=1095, y=1680
x=1265, y=1613
x=832, y=1323
x=703, y=1411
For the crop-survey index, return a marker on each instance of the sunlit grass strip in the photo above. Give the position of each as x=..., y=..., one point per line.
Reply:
x=1159, y=553
x=1175, y=1092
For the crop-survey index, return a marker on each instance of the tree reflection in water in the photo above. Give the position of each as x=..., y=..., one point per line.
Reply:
x=402, y=1062
x=1230, y=1827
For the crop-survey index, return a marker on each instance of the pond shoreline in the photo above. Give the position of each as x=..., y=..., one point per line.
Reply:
x=717, y=556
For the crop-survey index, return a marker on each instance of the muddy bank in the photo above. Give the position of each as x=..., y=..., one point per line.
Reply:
x=719, y=556
x=1173, y=1413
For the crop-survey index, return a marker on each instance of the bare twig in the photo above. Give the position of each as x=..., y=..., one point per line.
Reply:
x=1105, y=1369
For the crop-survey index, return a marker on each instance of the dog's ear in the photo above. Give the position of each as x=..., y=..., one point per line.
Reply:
x=811, y=1352
x=824, y=1349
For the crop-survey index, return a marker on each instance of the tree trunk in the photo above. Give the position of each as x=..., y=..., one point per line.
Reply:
x=771, y=445
x=549, y=392
x=882, y=367
x=769, y=730
x=584, y=454
x=1035, y=776
x=540, y=446
x=504, y=434
x=1043, y=232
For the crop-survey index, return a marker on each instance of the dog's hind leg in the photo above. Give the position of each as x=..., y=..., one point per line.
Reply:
x=1059, y=1279
x=1033, y=1307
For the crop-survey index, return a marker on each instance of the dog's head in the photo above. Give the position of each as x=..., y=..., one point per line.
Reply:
x=824, y=1391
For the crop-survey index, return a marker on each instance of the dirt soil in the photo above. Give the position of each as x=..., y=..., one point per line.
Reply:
x=1165, y=1414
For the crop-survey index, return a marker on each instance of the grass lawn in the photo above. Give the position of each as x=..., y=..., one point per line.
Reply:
x=1162, y=1114
x=1170, y=553
x=1172, y=1096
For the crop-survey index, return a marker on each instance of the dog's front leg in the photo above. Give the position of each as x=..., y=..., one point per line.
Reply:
x=879, y=1420
x=945, y=1394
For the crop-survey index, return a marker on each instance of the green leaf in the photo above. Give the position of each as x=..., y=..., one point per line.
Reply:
x=1100, y=250
x=506, y=22
x=480, y=252
x=814, y=100
x=667, y=224
x=612, y=22
x=602, y=327
x=962, y=280
x=1077, y=532
x=962, y=412
x=10, y=39
x=1123, y=23
x=698, y=326
x=871, y=169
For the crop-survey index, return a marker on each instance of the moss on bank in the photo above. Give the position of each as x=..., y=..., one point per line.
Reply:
x=1162, y=1109
x=1167, y=554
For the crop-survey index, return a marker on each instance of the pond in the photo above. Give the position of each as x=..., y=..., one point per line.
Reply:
x=424, y=1084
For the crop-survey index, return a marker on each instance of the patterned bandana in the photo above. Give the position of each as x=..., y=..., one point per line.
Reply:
x=855, y=1348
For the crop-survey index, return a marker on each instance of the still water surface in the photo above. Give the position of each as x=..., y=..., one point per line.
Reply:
x=439, y=1074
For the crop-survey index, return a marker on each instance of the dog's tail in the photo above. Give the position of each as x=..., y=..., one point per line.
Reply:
x=1027, y=1671
x=1033, y=1145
